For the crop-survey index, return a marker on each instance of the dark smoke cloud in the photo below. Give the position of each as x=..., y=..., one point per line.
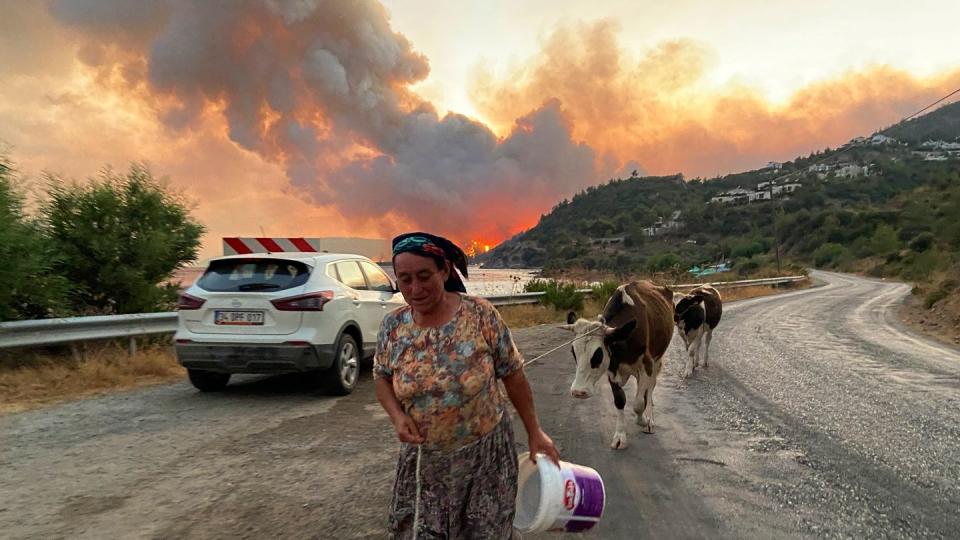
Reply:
x=322, y=86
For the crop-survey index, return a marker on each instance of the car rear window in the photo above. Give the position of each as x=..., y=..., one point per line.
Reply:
x=253, y=275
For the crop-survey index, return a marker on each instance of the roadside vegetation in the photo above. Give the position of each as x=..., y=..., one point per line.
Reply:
x=105, y=246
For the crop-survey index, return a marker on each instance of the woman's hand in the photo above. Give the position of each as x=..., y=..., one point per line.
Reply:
x=407, y=430
x=541, y=443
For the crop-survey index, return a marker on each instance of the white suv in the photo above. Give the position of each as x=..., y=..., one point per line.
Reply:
x=282, y=313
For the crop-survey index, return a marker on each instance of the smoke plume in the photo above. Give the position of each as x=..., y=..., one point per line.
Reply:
x=323, y=88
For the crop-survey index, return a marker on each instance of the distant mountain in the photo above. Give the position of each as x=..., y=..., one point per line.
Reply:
x=887, y=204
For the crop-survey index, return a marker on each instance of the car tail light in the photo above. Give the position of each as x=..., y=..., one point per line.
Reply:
x=187, y=301
x=306, y=302
x=184, y=341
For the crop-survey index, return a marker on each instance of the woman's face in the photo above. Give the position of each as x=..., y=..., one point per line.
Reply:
x=420, y=281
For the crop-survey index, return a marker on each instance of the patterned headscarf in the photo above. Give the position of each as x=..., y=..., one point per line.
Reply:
x=428, y=245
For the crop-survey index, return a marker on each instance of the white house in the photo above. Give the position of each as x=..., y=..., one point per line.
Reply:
x=851, y=170
x=941, y=145
x=882, y=139
x=775, y=165
x=790, y=188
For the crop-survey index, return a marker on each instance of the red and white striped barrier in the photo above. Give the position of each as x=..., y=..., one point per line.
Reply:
x=376, y=249
x=243, y=246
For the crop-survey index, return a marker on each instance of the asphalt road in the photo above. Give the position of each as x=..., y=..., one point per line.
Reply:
x=820, y=416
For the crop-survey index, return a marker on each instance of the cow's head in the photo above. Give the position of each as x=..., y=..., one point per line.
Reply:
x=591, y=350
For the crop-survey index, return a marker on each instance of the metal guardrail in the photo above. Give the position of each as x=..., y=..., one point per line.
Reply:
x=74, y=329
x=743, y=282
x=534, y=297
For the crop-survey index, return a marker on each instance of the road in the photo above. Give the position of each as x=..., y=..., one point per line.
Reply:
x=820, y=416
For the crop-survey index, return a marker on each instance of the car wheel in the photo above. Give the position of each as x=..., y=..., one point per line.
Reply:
x=342, y=376
x=208, y=381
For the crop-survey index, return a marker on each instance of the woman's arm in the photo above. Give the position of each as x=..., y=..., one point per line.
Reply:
x=405, y=427
x=518, y=388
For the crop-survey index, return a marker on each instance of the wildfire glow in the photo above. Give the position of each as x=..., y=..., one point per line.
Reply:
x=311, y=124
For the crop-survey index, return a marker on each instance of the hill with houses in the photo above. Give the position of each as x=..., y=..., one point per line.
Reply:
x=887, y=204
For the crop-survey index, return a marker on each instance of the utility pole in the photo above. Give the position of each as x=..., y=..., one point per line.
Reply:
x=776, y=231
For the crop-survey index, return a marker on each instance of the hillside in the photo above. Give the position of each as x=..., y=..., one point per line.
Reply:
x=878, y=204
x=941, y=124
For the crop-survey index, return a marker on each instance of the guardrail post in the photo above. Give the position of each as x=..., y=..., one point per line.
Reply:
x=133, y=346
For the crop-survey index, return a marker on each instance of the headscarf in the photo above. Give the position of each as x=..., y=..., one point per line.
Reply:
x=429, y=245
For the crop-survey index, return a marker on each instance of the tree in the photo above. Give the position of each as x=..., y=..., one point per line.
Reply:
x=29, y=287
x=884, y=240
x=121, y=238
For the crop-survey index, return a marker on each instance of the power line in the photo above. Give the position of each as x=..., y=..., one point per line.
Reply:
x=773, y=205
x=846, y=148
x=928, y=106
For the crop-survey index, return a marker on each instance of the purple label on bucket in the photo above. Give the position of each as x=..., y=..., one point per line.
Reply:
x=591, y=494
x=578, y=526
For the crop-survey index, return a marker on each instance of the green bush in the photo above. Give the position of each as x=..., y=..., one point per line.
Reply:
x=604, y=290
x=829, y=254
x=921, y=242
x=536, y=285
x=30, y=288
x=662, y=262
x=120, y=237
x=919, y=266
x=563, y=296
x=747, y=267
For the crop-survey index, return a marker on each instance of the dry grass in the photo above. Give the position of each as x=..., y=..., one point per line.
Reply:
x=743, y=293
x=523, y=316
x=43, y=380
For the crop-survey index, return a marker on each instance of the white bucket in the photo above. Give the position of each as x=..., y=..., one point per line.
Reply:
x=565, y=499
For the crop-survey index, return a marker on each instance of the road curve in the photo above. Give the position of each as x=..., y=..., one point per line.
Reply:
x=820, y=415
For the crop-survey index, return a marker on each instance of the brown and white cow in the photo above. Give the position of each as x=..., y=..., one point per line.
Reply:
x=628, y=340
x=696, y=315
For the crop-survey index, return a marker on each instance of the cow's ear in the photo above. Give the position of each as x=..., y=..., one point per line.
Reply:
x=620, y=334
x=571, y=317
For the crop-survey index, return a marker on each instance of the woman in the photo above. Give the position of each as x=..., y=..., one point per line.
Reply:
x=437, y=365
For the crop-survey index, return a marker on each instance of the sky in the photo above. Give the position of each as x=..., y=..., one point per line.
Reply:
x=468, y=119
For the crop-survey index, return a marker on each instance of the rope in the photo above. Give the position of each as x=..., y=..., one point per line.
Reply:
x=416, y=508
x=558, y=347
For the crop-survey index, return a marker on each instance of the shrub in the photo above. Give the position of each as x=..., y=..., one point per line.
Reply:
x=604, y=290
x=919, y=266
x=921, y=242
x=536, y=285
x=829, y=254
x=563, y=296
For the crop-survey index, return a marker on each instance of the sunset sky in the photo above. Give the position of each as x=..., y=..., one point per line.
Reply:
x=353, y=118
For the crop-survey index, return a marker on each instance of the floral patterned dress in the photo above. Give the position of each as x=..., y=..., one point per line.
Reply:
x=446, y=379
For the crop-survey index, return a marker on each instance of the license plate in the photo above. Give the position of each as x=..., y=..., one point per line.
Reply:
x=238, y=318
